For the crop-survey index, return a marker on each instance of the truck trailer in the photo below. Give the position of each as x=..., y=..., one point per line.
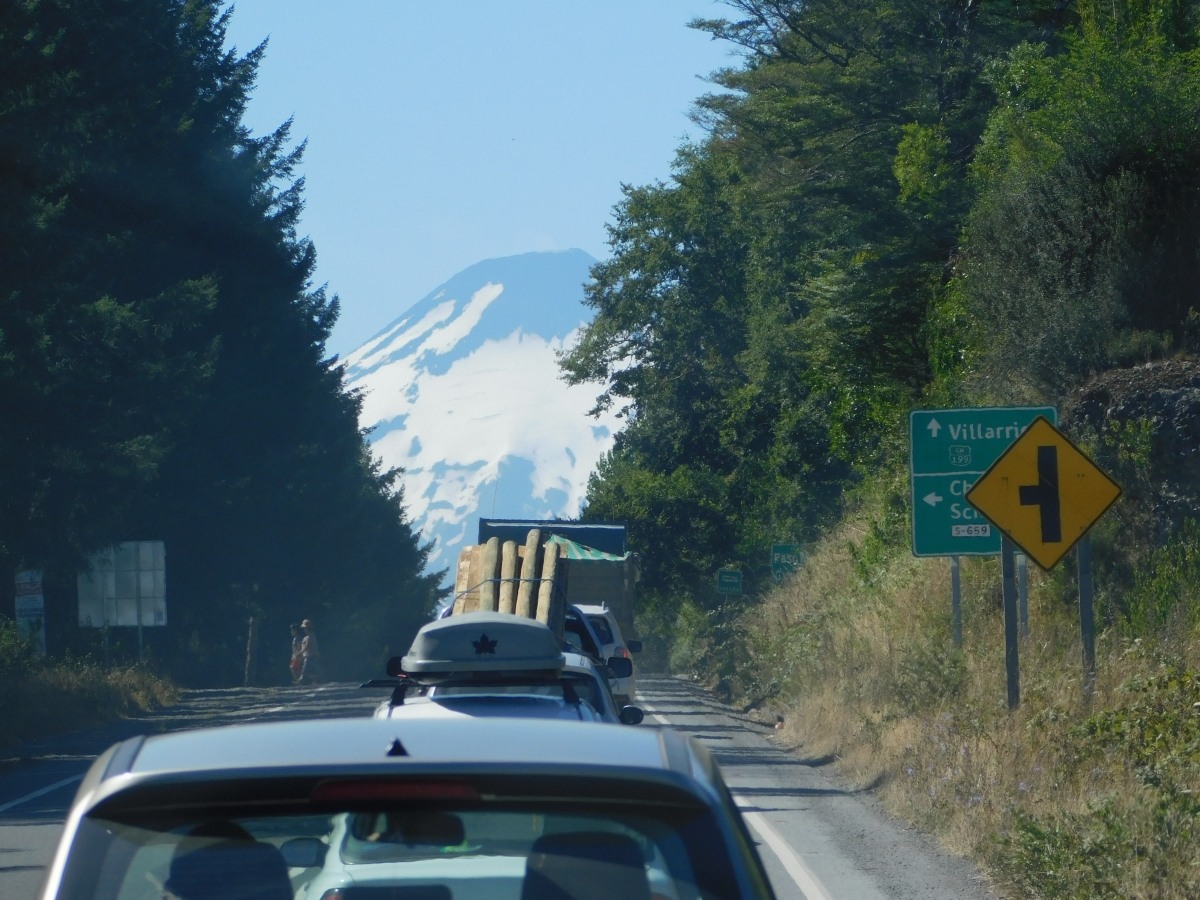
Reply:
x=536, y=568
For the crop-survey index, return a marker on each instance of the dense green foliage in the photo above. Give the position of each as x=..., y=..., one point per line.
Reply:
x=162, y=363
x=897, y=203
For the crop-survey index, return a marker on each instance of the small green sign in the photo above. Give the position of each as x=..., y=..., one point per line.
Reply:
x=785, y=559
x=950, y=449
x=729, y=581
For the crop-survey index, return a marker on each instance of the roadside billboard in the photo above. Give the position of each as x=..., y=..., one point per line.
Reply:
x=123, y=581
x=31, y=608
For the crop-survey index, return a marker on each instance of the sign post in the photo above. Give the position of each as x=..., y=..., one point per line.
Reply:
x=1012, y=653
x=948, y=450
x=1023, y=591
x=729, y=581
x=1044, y=494
x=785, y=559
x=31, y=609
x=1087, y=618
x=956, y=600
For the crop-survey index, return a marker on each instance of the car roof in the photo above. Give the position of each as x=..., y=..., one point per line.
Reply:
x=577, y=661
x=592, y=609
x=340, y=743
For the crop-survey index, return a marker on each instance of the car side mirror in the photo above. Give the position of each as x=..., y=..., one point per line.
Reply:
x=633, y=646
x=620, y=666
x=395, y=666
x=304, y=852
x=631, y=715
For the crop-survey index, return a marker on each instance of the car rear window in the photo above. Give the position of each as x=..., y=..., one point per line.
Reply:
x=600, y=624
x=518, y=851
x=586, y=689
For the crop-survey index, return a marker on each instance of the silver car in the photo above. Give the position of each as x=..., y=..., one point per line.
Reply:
x=612, y=644
x=576, y=693
x=427, y=809
x=497, y=664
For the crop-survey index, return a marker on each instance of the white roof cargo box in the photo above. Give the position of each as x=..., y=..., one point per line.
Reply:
x=484, y=642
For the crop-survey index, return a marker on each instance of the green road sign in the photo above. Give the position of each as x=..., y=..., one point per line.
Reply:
x=785, y=559
x=729, y=581
x=950, y=449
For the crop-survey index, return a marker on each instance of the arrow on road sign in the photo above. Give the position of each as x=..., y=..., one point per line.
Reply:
x=933, y=498
x=934, y=427
x=1044, y=493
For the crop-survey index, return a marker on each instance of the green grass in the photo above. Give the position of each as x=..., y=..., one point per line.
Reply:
x=45, y=697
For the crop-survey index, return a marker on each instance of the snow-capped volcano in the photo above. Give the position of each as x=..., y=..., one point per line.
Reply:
x=464, y=392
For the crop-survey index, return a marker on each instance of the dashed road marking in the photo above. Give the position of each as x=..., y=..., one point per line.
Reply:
x=40, y=792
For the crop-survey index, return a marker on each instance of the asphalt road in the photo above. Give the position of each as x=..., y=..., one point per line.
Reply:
x=819, y=839
x=38, y=780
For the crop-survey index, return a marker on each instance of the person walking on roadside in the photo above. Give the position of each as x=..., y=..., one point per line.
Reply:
x=310, y=655
x=297, y=661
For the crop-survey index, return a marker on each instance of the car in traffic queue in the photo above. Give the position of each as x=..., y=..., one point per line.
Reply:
x=422, y=809
x=497, y=664
x=604, y=625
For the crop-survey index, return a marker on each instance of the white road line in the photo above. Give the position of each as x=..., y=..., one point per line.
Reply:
x=40, y=792
x=646, y=707
x=804, y=877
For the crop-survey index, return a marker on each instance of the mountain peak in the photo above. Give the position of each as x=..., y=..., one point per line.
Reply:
x=463, y=391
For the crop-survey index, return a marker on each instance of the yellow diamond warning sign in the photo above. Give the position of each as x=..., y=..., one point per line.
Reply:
x=1044, y=493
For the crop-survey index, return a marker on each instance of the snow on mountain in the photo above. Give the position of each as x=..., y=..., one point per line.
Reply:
x=464, y=392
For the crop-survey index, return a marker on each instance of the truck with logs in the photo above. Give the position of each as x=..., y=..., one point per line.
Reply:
x=537, y=568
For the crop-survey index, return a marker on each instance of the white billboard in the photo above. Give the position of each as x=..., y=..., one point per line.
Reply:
x=122, y=580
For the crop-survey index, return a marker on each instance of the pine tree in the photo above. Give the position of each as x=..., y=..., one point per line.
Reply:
x=162, y=362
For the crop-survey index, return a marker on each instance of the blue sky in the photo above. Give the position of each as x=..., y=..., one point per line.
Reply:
x=441, y=134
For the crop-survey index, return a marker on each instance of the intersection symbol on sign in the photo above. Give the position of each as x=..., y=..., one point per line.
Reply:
x=1044, y=493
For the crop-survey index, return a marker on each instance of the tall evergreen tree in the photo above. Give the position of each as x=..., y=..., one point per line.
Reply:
x=162, y=363
x=767, y=314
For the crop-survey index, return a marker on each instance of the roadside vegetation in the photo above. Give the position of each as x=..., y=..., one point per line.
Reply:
x=902, y=204
x=163, y=368
x=42, y=698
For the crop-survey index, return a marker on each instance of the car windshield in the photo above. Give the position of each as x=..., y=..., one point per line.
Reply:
x=520, y=852
x=585, y=687
x=600, y=626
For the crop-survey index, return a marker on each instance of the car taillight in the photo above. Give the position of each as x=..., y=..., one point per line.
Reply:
x=349, y=791
x=334, y=894
x=623, y=653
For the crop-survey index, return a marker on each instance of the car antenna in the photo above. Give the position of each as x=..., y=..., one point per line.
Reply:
x=396, y=748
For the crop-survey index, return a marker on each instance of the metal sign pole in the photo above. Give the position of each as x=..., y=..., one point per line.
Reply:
x=137, y=596
x=1023, y=585
x=956, y=600
x=1087, y=619
x=1012, y=659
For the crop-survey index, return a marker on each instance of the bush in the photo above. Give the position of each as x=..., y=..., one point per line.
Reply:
x=1167, y=584
x=43, y=697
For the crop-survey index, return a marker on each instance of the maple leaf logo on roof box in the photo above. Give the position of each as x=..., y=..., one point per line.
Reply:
x=483, y=645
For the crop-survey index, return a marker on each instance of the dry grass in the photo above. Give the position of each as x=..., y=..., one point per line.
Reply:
x=70, y=696
x=858, y=650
